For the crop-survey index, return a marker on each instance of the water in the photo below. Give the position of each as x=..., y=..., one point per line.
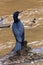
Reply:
x=38, y=50
x=33, y=34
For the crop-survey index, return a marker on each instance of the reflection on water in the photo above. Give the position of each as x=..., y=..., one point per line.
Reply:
x=5, y=46
x=38, y=50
